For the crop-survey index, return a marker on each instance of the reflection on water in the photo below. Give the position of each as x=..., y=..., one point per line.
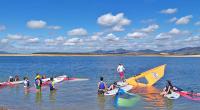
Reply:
x=101, y=101
x=38, y=97
x=26, y=91
x=169, y=104
x=52, y=96
x=151, y=96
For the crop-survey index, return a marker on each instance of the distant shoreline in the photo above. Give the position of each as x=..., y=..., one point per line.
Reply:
x=147, y=55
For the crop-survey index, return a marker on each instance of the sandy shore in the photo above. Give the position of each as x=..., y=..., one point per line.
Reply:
x=149, y=55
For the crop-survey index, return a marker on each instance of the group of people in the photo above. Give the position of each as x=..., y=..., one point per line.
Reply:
x=39, y=82
x=12, y=79
x=102, y=86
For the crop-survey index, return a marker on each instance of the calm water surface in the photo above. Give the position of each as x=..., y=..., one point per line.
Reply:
x=184, y=72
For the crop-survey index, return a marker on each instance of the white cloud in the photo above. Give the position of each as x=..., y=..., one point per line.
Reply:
x=115, y=21
x=163, y=36
x=60, y=38
x=33, y=40
x=2, y=28
x=197, y=23
x=173, y=19
x=36, y=24
x=111, y=37
x=150, y=28
x=94, y=37
x=184, y=20
x=77, y=32
x=193, y=39
x=50, y=42
x=174, y=31
x=73, y=41
x=136, y=35
x=15, y=37
x=54, y=27
x=169, y=11
x=4, y=41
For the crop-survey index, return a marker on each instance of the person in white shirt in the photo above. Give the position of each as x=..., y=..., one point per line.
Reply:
x=120, y=70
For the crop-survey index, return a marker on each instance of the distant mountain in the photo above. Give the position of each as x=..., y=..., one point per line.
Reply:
x=100, y=52
x=184, y=51
x=149, y=51
x=117, y=51
x=3, y=52
x=187, y=50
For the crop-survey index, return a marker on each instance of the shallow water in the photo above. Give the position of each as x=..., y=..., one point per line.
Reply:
x=184, y=72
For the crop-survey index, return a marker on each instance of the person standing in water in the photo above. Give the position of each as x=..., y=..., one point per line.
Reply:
x=52, y=84
x=38, y=84
x=102, y=87
x=26, y=82
x=120, y=70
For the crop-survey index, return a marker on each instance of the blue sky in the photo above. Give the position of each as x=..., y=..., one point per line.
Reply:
x=86, y=25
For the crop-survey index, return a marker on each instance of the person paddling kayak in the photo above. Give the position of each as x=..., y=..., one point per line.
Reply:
x=169, y=88
x=52, y=84
x=102, y=87
x=120, y=70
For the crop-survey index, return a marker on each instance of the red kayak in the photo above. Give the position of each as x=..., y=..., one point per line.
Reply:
x=190, y=95
x=3, y=84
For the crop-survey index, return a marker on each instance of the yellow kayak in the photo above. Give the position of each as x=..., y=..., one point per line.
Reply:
x=151, y=76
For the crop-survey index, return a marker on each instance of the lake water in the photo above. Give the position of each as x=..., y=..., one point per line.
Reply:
x=183, y=72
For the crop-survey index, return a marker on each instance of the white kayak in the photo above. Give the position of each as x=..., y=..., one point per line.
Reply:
x=62, y=78
x=121, y=83
x=114, y=91
x=11, y=83
x=173, y=95
x=59, y=77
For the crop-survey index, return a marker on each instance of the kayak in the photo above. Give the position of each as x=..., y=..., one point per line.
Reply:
x=62, y=78
x=173, y=95
x=11, y=83
x=148, y=78
x=114, y=91
x=190, y=95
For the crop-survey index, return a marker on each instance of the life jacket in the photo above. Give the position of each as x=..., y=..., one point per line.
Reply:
x=37, y=82
x=51, y=85
x=26, y=83
x=102, y=85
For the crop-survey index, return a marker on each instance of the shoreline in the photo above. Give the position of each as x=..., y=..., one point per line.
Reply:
x=147, y=55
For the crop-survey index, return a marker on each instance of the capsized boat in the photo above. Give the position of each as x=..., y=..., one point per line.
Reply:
x=2, y=84
x=151, y=76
